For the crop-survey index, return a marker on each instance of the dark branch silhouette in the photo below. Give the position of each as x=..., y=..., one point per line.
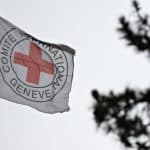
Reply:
x=115, y=112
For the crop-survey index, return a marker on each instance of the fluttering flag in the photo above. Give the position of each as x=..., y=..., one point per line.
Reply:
x=32, y=72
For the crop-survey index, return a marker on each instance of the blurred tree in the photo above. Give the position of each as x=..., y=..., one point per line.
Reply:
x=115, y=113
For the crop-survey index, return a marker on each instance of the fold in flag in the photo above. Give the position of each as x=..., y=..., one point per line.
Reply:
x=33, y=72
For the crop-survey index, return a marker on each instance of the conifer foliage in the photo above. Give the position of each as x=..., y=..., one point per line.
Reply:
x=115, y=112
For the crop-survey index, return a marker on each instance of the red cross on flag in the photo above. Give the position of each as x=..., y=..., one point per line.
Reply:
x=33, y=72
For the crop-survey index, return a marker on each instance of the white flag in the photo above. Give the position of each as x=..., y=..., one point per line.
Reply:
x=33, y=72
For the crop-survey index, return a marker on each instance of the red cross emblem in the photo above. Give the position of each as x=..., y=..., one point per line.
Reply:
x=34, y=63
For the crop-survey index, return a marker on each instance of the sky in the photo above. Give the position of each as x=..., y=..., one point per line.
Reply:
x=102, y=61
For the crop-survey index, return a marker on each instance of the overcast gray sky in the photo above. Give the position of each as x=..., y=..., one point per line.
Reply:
x=102, y=61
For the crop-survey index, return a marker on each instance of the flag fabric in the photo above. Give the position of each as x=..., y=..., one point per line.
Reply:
x=32, y=72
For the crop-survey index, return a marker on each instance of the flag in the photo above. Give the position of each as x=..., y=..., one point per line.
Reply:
x=32, y=72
